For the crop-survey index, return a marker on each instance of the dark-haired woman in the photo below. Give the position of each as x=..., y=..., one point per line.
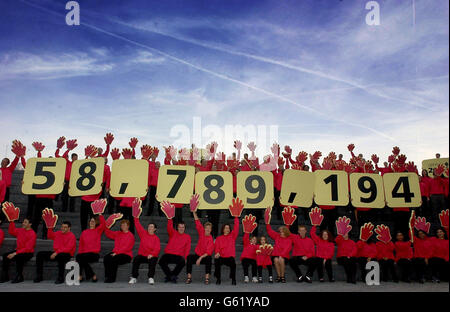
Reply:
x=225, y=251
x=439, y=258
x=403, y=256
x=324, y=252
x=423, y=250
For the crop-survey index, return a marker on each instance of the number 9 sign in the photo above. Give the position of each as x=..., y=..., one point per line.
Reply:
x=367, y=190
x=255, y=188
x=44, y=176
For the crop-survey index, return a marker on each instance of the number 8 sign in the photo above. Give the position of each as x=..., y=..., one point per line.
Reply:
x=215, y=189
x=86, y=177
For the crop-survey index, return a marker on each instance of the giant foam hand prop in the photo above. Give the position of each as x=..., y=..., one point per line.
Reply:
x=316, y=155
x=443, y=218
x=316, y=217
x=395, y=151
x=193, y=203
x=38, y=146
x=302, y=157
x=133, y=142
x=366, y=231
x=112, y=219
x=109, y=138
x=155, y=151
x=391, y=159
x=98, y=206
x=18, y=148
x=71, y=144
x=275, y=149
x=288, y=150
x=375, y=158
x=249, y=223
x=421, y=224
x=265, y=250
x=12, y=213
x=439, y=170
x=236, y=207
x=127, y=153
x=383, y=233
x=401, y=159
x=60, y=142
x=168, y=209
x=327, y=164
x=136, y=207
x=238, y=145
x=49, y=218
x=267, y=215
x=332, y=156
x=411, y=167
x=289, y=216
x=146, y=151
x=343, y=226
x=351, y=147
x=90, y=151
x=412, y=223
x=115, y=153
x=251, y=146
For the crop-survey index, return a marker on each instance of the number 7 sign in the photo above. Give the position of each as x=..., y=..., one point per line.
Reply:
x=175, y=184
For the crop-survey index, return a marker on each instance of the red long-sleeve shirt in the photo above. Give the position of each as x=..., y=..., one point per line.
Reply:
x=249, y=251
x=2, y=237
x=205, y=244
x=277, y=179
x=63, y=242
x=150, y=244
x=366, y=250
x=424, y=188
x=123, y=242
x=346, y=248
x=263, y=260
x=440, y=248
x=8, y=171
x=302, y=246
x=403, y=250
x=2, y=191
x=437, y=186
x=385, y=250
x=179, y=244
x=90, y=239
x=26, y=239
x=225, y=245
x=324, y=249
x=282, y=246
x=423, y=248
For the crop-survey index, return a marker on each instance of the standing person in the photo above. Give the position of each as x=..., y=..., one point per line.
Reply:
x=149, y=246
x=67, y=201
x=263, y=259
x=403, y=256
x=7, y=169
x=26, y=242
x=439, y=258
x=154, y=172
x=437, y=193
x=90, y=241
x=177, y=248
x=205, y=245
x=367, y=249
x=225, y=245
x=303, y=253
x=282, y=248
x=346, y=249
x=385, y=253
x=425, y=208
x=64, y=246
x=324, y=245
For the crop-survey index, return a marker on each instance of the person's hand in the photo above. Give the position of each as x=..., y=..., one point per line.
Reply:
x=133, y=142
x=168, y=209
x=109, y=138
x=236, y=207
x=12, y=213
x=113, y=254
x=217, y=255
x=198, y=261
x=11, y=255
x=289, y=216
x=149, y=257
x=53, y=256
x=71, y=144
x=305, y=258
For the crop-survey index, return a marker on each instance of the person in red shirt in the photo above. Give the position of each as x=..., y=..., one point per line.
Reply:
x=425, y=209
x=122, y=252
x=248, y=257
x=281, y=249
x=7, y=170
x=324, y=252
x=303, y=253
x=439, y=258
x=64, y=246
x=263, y=261
x=149, y=248
x=2, y=188
x=26, y=242
x=367, y=251
x=438, y=188
x=403, y=256
x=346, y=256
x=423, y=251
x=67, y=201
x=203, y=250
x=385, y=256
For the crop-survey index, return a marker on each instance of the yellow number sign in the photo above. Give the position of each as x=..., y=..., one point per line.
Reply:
x=255, y=188
x=44, y=176
x=86, y=177
x=430, y=164
x=331, y=188
x=402, y=190
x=175, y=184
x=297, y=188
x=215, y=189
x=129, y=178
x=367, y=190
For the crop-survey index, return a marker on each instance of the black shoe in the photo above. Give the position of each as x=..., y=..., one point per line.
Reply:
x=59, y=281
x=322, y=280
x=233, y=282
x=283, y=280
x=300, y=279
x=173, y=279
x=218, y=282
x=332, y=280
x=308, y=279
x=422, y=281
x=94, y=280
x=270, y=280
x=278, y=280
x=38, y=279
x=4, y=279
x=17, y=279
x=166, y=279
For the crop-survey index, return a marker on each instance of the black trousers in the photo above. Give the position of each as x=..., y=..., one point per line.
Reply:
x=191, y=259
x=246, y=263
x=85, y=214
x=167, y=259
x=296, y=261
x=329, y=220
x=112, y=205
x=277, y=206
x=349, y=265
x=61, y=258
x=138, y=260
x=30, y=205
x=401, y=221
x=362, y=261
x=425, y=209
x=404, y=267
x=20, y=260
x=260, y=270
x=112, y=263
x=387, y=266
x=439, y=268
x=437, y=205
x=328, y=267
x=152, y=200
x=40, y=205
x=229, y=262
x=419, y=267
x=84, y=260
x=127, y=215
x=67, y=201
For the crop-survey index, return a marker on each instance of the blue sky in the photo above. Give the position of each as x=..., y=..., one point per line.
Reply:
x=313, y=68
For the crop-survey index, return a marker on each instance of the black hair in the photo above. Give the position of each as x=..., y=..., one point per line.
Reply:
x=67, y=223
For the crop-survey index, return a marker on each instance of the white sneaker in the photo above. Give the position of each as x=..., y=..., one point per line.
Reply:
x=246, y=279
x=254, y=279
x=151, y=281
x=132, y=281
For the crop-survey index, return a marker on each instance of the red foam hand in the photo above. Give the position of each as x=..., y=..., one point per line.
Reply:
x=316, y=217
x=343, y=226
x=12, y=213
x=351, y=147
x=411, y=167
x=168, y=209
x=90, y=151
x=375, y=159
x=236, y=207
x=275, y=149
x=133, y=142
x=368, y=166
x=443, y=218
x=401, y=159
x=327, y=164
x=98, y=206
x=115, y=153
x=136, y=208
x=112, y=219
x=396, y=167
x=289, y=216
x=71, y=144
x=49, y=218
x=146, y=151
x=18, y=148
x=302, y=157
x=280, y=161
x=249, y=223
x=195, y=154
x=155, y=151
x=421, y=224
x=340, y=165
x=297, y=166
x=396, y=151
x=221, y=156
x=265, y=250
x=38, y=146
x=383, y=233
x=288, y=149
x=237, y=144
x=391, y=159
x=317, y=155
x=251, y=146
x=109, y=138
x=194, y=202
x=439, y=170
x=127, y=153
x=366, y=231
x=60, y=143
x=268, y=215
x=332, y=155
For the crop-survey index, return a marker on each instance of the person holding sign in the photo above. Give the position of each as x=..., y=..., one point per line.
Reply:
x=64, y=246
x=438, y=189
x=347, y=250
x=385, y=253
x=7, y=169
x=367, y=249
x=90, y=241
x=149, y=246
x=225, y=245
x=68, y=201
x=205, y=244
x=123, y=247
x=178, y=246
x=282, y=248
x=248, y=256
x=26, y=242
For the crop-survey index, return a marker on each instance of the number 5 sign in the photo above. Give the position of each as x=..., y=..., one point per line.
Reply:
x=44, y=176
